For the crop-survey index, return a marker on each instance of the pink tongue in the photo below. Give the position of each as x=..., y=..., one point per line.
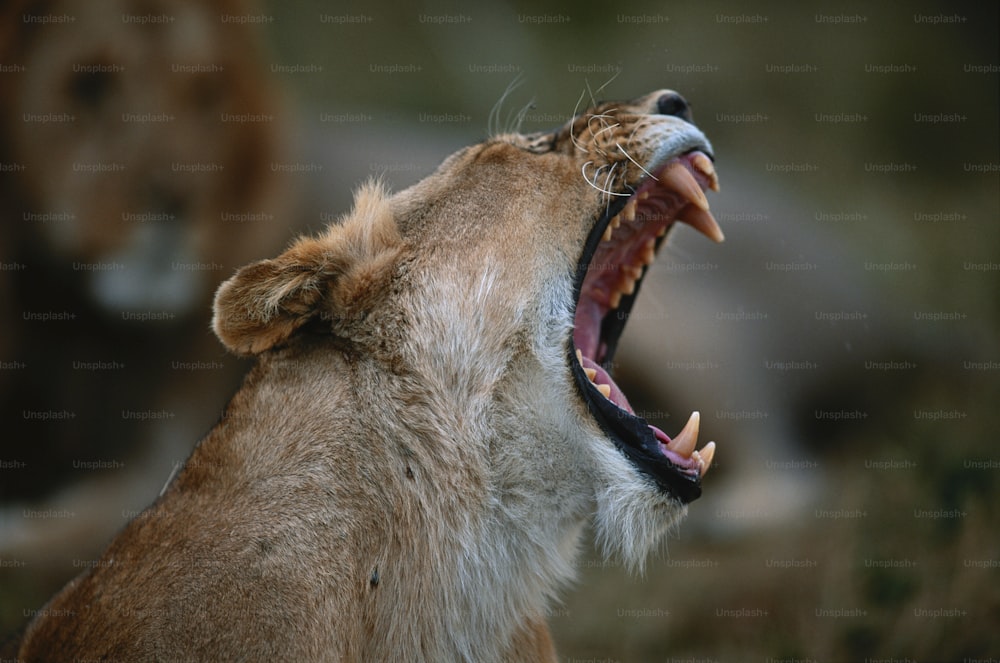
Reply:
x=660, y=435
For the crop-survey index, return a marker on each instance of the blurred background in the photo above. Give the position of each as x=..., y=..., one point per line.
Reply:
x=842, y=345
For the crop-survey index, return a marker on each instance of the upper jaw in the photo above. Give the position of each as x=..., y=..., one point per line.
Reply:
x=619, y=249
x=673, y=144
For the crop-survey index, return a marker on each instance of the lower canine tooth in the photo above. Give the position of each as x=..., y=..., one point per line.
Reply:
x=685, y=442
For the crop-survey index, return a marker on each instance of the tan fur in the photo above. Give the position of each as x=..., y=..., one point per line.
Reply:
x=407, y=471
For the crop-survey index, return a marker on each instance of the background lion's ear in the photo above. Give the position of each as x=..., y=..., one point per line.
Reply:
x=337, y=276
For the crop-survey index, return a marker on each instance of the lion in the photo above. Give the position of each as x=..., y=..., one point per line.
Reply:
x=138, y=140
x=430, y=422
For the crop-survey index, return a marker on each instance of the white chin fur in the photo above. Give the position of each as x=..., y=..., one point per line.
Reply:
x=633, y=514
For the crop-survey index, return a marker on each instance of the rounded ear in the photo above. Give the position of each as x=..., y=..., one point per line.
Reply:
x=263, y=305
x=336, y=276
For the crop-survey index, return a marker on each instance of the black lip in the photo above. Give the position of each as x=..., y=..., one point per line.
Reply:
x=631, y=434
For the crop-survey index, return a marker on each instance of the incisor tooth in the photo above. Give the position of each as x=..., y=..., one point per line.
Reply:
x=706, y=455
x=705, y=165
x=680, y=179
x=687, y=439
x=605, y=390
x=702, y=221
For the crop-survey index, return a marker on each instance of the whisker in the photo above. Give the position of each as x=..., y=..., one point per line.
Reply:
x=638, y=165
x=606, y=129
x=493, y=120
x=583, y=171
x=608, y=182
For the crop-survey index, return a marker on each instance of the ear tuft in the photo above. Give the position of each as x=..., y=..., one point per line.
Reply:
x=338, y=275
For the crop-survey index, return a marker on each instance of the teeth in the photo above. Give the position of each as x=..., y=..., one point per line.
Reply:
x=591, y=373
x=702, y=221
x=705, y=457
x=687, y=439
x=617, y=221
x=707, y=168
x=615, y=299
x=607, y=233
x=680, y=179
x=605, y=390
x=630, y=210
x=628, y=286
x=648, y=253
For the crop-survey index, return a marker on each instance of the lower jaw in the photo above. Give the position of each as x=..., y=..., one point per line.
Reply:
x=639, y=442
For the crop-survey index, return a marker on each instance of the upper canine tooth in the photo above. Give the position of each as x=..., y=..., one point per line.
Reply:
x=579, y=356
x=687, y=439
x=702, y=221
x=706, y=167
x=680, y=179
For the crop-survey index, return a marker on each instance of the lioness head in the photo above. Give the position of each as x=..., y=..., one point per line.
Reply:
x=489, y=299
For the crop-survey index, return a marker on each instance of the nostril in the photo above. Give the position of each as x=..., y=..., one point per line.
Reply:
x=674, y=104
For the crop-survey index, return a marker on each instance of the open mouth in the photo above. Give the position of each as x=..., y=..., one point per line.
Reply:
x=616, y=256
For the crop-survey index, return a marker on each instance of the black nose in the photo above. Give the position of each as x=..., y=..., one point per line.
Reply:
x=674, y=104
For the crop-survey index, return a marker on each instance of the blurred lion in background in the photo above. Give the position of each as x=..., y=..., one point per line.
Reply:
x=137, y=141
